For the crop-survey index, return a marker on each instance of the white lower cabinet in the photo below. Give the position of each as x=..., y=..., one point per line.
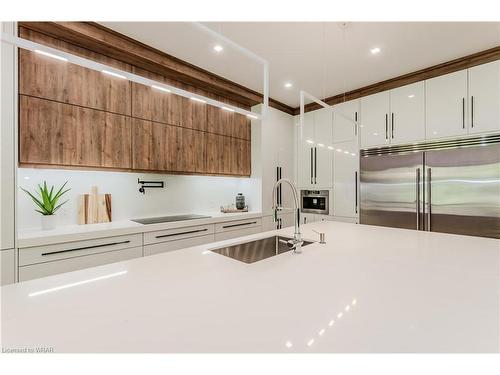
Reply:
x=345, y=179
x=352, y=220
x=311, y=218
x=307, y=218
x=52, y=259
x=284, y=220
x=163, y=247
x=8, y=266
x=77, y=263
x=227, y=235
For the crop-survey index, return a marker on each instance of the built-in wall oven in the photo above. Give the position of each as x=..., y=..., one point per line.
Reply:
x=314, y=201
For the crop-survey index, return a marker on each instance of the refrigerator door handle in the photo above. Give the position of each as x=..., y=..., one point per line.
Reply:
x=429, y=199
x=417, y=200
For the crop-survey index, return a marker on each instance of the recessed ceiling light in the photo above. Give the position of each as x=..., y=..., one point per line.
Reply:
x=287, y=85
x=114, y=74
x=218, y=48
x=51, y=55
x=375, y=50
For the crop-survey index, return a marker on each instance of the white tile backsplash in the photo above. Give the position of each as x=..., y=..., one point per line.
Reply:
x=182, y=194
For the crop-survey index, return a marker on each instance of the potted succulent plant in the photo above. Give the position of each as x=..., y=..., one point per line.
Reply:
x=47, y=203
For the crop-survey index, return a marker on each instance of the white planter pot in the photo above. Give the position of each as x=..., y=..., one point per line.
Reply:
x=48, y=222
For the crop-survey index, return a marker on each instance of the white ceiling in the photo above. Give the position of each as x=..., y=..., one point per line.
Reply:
x=324, y=59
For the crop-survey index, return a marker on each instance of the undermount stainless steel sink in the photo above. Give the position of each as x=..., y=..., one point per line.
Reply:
x=253, y=251
x=167, y=219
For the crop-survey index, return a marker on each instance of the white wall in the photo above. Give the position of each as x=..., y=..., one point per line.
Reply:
x=182, y=194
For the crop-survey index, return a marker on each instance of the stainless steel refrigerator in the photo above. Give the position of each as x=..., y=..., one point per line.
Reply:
x=448, y=186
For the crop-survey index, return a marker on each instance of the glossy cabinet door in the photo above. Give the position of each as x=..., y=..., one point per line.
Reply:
x=407, y=118
x=345, y=179
x=305, y=146
x=374, y=125
x=323, y=120
x=446, y=105
x=345, y=116
x=7, y=139
x=484, y=98
x=7, y=266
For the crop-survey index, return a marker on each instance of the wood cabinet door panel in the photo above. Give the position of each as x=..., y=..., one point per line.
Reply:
x=63, y=134
x=48, y=78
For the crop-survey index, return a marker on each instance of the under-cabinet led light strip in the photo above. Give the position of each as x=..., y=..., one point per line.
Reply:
x=90, y=64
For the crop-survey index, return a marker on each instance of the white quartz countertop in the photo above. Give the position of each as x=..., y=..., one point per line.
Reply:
x=68, y=233
x=369, y=289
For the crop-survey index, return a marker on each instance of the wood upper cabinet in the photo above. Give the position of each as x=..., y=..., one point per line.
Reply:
x=48, y=78
x=78, y=117
x=61, y=134
x=227, y=155
x=152, y=104
x=231, y=124
x=161, y=147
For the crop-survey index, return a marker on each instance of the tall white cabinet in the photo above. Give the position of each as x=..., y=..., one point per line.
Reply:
x=314, y=149
x=275, y=157
x=346, y=179
x=8, y=125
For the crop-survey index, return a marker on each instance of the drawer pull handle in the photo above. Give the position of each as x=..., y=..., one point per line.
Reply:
x=86, y=247
x=239, y=225
x=181, y=233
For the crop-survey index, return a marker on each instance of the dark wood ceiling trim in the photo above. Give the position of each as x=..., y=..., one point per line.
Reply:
x=97, y=38
x=465, y=62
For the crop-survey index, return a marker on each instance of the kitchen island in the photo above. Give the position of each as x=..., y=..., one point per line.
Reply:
x=368, y=289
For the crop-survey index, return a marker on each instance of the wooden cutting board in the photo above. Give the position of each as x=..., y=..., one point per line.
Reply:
x=94, y=208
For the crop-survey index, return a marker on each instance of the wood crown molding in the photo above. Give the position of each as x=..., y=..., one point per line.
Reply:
x=97, y=38
x=461, y=63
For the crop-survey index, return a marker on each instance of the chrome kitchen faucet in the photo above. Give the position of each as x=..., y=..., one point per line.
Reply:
x=296, y=242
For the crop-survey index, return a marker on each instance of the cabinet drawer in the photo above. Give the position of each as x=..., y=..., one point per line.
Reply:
x=7, y=266
x=35, y=271
x=237, y=224
x=177, y=245
x=227, y=235
x=177, y=234
x=48, y=253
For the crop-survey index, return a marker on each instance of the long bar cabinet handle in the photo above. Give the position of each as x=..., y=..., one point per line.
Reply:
x=315, y=165
x=463, y=113
x=311, y=165
x=472, y=111
x=86, y=247
x=356, y=191
x=417, y=201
